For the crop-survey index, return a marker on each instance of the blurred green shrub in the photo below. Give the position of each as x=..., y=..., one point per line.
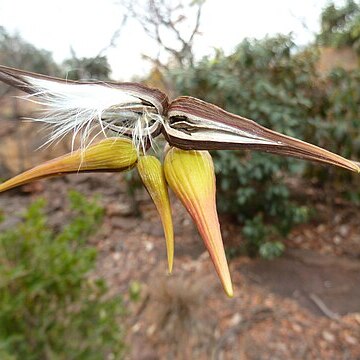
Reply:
x=96, y=67
x=340, y=25
x=337, y=125
x=135, y=291
x=49, y=307
x=17, y=52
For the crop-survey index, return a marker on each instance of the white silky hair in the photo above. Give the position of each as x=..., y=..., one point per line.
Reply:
x=78, y=109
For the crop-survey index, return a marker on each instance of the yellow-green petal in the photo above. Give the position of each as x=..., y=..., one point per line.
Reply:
x=152, y=175
x=190, y=174
x=112, y=154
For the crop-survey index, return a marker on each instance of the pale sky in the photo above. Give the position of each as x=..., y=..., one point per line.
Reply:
x=88, y=25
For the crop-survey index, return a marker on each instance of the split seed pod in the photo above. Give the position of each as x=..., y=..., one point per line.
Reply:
x=197, y=125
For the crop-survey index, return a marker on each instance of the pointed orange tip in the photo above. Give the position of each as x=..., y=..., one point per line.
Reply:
x=112, y=154
x=152, y=175
x=190, y=174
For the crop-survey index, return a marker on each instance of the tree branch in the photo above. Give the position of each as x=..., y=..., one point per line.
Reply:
x=158, y=16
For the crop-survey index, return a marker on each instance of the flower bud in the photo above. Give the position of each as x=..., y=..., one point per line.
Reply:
x=190, y=174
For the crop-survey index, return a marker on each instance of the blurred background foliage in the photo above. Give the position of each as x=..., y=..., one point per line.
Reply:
x=340, y=26
x=16, y=52
x=50, y=308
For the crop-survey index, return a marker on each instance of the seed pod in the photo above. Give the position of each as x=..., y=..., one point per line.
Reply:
x=190, y=174
x=194, y=124
x=152, y=176
x=109, y=155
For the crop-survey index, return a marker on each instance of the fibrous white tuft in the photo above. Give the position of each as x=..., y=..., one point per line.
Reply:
x=88, y=110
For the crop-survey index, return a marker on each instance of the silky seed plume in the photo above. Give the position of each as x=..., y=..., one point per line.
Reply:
x=80, y=109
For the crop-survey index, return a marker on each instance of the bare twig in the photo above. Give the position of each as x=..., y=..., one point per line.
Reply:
x=161, y=19
x=114, y=38
x=323, y=308
x=90, y=62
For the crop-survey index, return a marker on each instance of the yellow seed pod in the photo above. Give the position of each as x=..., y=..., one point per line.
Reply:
x=190, y=174
x=152, y=176
x=112, y=154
